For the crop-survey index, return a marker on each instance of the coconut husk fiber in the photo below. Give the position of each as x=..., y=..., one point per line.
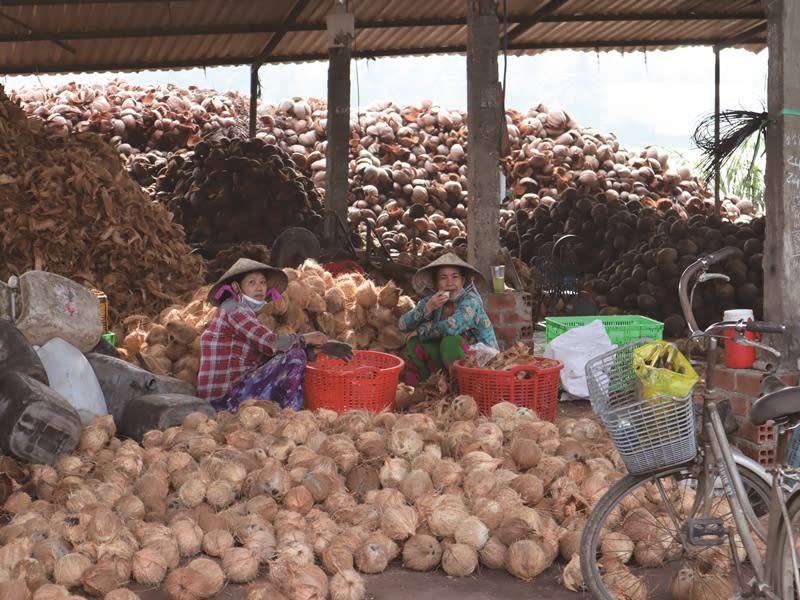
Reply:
x=71, y=208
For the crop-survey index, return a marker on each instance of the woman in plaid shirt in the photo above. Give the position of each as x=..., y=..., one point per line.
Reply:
x=240, y=358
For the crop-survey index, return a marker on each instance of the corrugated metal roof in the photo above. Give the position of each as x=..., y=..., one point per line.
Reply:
x=120, y=35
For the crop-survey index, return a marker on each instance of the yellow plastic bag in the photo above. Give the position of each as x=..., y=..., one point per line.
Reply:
x=663, y=370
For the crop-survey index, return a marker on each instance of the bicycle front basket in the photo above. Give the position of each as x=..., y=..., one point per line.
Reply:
x=649, y=433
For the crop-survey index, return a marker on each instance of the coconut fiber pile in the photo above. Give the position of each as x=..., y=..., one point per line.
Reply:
x=70, y=207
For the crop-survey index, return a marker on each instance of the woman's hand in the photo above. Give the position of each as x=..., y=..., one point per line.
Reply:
x=314, y=338
x=437, y=301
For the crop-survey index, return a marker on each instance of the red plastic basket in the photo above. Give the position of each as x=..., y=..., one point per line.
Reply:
x=367, y=382
x=530, y=386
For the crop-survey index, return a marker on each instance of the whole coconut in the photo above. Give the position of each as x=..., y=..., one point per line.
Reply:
x=459, y=560
x=422, y=552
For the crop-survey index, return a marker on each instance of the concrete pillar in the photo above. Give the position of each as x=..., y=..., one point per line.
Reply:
x=338, y=147
x=484, y=103
x=782, y=244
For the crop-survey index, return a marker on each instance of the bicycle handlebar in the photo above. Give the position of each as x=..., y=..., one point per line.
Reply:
x=723, y=328
x=719, y=255
x=765, y=327
x=700, y=265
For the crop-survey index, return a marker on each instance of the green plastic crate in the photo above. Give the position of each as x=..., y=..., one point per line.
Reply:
x=620, y=328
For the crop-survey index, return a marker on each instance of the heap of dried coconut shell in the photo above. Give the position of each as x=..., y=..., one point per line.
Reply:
x=258, y=179
x=638, y=219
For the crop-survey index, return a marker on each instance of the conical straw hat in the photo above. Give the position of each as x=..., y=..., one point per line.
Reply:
x=423, y=280
x=275, y=277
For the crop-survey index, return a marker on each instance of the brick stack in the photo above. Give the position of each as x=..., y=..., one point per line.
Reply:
x=741, y=387
x=512, y=316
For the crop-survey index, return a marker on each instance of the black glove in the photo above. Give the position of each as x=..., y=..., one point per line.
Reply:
x=338, y=349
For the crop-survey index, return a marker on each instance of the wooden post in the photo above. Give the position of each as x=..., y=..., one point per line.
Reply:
x=782, y=244
x=338, y=147
x=484, y=101
x=255, y=92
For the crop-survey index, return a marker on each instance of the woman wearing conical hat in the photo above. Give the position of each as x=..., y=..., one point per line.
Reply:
x=240, y=358
x=447, y=320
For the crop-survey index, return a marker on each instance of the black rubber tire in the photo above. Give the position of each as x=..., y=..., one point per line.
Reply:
x=783, y=582
x=657, y=580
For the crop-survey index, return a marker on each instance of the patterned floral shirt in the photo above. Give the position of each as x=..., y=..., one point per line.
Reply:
x=233, y=344
x=468, y=320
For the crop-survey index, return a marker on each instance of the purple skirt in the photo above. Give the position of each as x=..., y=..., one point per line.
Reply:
x=279, y=380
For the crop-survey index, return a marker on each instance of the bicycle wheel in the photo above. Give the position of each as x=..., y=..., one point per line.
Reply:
x=783, y=579
x=635, y=544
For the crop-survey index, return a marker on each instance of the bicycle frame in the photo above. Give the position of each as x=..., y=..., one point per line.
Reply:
x=718, y=451
x=730, y=502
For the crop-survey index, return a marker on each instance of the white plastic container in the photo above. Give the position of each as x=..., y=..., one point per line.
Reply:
x=734, y=314
x=72, y=376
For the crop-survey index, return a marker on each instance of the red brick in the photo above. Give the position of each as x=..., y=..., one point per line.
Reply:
x=505, y=333
x=789, y=378
x=758, y=434
x=509, y=334
x=748, y=381
x=764, y=454
x=497, y=302
x=513, y=317
x=525, y=333
x=741, y=404
x=724, y=378
x=522, y=300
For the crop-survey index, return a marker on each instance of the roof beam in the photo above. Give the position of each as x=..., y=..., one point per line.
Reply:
x=321, y=56
x=276, y=38
x=649, y=16
x=520, y=24
x=748, y=34
x=74, y=3
x=47, y=36
x=520, y=28
x=236, y=29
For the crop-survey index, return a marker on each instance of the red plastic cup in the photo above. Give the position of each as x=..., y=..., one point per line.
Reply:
x=738, y=356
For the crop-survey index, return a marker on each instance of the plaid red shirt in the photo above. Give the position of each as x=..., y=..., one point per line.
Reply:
x=233, y=344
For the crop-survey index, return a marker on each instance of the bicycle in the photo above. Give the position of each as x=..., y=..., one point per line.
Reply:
x=691, y=519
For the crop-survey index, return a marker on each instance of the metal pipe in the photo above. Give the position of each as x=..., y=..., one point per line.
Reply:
x=717, y=200
x=740, y=506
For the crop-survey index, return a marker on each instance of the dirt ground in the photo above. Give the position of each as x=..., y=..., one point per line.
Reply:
x=397, y=583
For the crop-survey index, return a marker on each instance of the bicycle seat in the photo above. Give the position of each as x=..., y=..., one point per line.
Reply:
x=777, y=400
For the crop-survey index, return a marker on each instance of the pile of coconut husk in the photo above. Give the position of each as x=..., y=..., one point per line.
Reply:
x=517, y=354
x=134, y=119
x=301, y=504
x=225, y=191
x=70, y=207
